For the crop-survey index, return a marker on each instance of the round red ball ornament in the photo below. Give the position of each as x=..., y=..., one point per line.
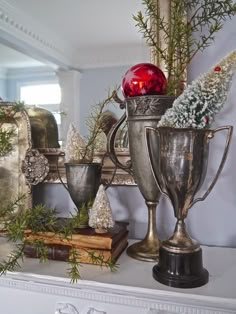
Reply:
x=143, y=79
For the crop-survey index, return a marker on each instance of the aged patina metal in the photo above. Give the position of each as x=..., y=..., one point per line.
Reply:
x=179, y=159
x=141, y=112
x=43, y=128
x=83, y=181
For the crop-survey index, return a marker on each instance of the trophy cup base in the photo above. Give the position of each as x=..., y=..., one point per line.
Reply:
x=144, y=251
x=180, y=270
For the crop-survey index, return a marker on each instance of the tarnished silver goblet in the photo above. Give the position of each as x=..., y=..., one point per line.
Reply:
x=83, y=181
x=142, y=111
x=179, y=159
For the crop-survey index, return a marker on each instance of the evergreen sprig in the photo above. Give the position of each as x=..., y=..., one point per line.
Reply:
x=74, y=264
x=95, y=125
x=12, y=262
x=99, y=259
x=192, y=28
x=37, y=220
x=6, y=135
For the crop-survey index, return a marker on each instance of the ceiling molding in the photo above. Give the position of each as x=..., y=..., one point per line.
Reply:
x=26, y=35
x=34, y=72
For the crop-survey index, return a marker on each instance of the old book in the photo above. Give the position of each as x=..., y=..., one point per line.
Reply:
x=86, y=237
x=61, y=252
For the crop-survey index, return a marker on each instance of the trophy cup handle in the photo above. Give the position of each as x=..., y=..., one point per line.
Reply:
x=111, y=146
x=61, y=154
x=228, y=140
x=148, y=129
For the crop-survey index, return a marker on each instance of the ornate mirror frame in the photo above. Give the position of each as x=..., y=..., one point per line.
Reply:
x=13, y=182
x=24, y=166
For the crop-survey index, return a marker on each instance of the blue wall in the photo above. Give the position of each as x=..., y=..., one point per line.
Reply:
x=3, y=89
x=94, y=87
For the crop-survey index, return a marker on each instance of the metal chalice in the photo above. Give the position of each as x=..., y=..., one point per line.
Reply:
x=141, y=111
x=83, y=181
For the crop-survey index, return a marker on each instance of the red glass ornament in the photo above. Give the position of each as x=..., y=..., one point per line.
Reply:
x=207, y=120
x=144, y=79
x=217, y=69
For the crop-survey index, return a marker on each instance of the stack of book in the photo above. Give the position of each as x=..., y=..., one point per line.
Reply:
x=107, y=246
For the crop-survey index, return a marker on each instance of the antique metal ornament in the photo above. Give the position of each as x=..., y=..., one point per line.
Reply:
x=35, y=166
x=179, y=159
x=141, y=112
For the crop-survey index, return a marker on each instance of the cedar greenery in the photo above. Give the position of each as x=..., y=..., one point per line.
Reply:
x=192, y=28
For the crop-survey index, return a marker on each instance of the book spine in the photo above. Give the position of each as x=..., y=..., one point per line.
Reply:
x=78, y=240
x=87, y=241
x=62, y=253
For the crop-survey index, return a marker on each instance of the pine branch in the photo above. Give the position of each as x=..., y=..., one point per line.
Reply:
x=6, y=114
x=95, y=126
x=99, y=259
x=180, y=35
x=73, y=270
x=12, y=262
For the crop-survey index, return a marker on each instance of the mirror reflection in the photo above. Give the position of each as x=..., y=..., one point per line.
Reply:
x=103, y=48
x=68, y=69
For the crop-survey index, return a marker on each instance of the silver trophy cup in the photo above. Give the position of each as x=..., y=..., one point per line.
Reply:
x=179, y=160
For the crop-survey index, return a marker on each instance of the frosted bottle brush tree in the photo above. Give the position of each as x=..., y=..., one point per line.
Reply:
x=100, y=216
x=191, y=28
x=82, y=149
x=197, y=106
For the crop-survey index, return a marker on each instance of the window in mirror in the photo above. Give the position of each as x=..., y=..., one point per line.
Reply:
x=43, y=94
x=47, y=96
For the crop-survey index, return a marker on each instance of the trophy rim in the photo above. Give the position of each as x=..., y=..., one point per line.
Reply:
x=200, y=130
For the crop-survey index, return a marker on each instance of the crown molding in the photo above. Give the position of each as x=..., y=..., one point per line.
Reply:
x=32, y=72
x=21, y=32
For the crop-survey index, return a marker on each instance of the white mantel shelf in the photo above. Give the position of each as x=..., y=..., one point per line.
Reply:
x=46, y=288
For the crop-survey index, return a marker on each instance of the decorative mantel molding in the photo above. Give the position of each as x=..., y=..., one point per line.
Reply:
x=131, y=290
x=21, y=32
x=154, y=302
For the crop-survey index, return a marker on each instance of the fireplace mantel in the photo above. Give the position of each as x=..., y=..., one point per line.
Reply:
x=46, y=289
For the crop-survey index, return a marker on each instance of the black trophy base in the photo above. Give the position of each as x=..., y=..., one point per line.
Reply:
x=180, y=270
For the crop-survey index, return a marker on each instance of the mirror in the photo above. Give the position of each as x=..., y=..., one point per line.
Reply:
x=98, y=56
